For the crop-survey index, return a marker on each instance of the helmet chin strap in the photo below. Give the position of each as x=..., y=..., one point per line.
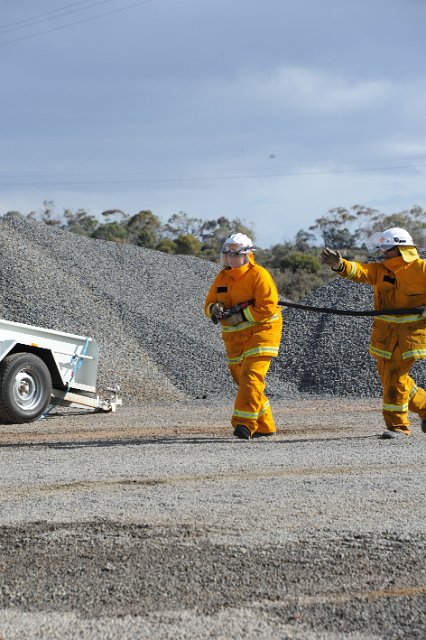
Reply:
x=388, y=250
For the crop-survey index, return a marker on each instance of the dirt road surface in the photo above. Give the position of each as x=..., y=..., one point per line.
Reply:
x=154, y=522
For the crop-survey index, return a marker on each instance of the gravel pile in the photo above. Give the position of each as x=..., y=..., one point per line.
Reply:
x=328, y=354
x=144, y=308
x=324, y=353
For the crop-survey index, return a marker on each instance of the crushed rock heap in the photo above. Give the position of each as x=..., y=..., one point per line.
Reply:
x=328, y=354
x=145, y=310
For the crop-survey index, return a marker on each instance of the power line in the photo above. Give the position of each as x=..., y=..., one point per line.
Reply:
x=71, y=24
x=210, y=178
x=44, y=17
x=338, y=167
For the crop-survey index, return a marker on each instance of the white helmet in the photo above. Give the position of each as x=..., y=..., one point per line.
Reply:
x=393, y=237
x=237, y=243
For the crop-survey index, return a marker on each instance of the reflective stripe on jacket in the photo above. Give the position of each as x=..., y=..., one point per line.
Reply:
x=397, y=285
x=260, y=333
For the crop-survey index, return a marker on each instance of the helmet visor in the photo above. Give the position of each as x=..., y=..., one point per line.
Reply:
x=376, y=242
x=235, y=249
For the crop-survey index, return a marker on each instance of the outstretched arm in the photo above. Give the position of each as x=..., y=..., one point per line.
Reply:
x=356, y=271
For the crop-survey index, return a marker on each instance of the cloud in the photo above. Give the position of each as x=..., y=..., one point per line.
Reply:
x=295, y=88
x=405, y=147
x=312, y=90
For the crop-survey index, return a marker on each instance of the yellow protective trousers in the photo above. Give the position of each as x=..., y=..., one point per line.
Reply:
x=251, y=407
x=400, y=392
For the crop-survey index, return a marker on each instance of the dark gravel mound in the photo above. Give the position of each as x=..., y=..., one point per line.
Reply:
x=324, y=353
x=145, y=310
x=143, y=307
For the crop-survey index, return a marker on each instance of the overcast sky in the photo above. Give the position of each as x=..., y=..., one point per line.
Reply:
x=273, y=111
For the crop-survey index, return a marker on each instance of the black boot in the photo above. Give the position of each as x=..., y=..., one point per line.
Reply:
x=390, y=435
x=243, y=432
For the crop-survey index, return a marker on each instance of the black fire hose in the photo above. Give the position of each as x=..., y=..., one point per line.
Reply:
x=340, y=312
x=349, y=312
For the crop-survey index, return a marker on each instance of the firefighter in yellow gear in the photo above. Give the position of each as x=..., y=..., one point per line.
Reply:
x=244, y=300
x=397, y=341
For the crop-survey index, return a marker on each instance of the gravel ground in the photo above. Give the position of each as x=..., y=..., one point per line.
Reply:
x=154, y=522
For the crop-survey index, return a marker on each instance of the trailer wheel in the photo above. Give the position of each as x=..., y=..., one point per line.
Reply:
x=25, y=388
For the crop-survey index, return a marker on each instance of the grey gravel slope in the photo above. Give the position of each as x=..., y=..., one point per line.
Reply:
x=145, y=310
x=143, y=307
x=328, y=354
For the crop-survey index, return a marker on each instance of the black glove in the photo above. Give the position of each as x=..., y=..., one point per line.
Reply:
x=332, y=257
x=216, y=312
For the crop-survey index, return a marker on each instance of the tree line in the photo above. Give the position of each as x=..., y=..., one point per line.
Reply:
x=295, y=265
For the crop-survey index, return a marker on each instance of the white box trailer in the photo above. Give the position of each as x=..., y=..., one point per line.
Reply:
x=41, y=367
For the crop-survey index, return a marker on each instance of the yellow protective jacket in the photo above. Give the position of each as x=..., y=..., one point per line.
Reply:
x=398, y=284
x=260, y=334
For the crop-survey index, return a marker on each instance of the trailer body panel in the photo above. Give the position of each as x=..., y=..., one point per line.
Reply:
x=76, y=357
x=37, y=364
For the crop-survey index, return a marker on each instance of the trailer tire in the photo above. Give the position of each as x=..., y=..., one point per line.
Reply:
x=25, y=388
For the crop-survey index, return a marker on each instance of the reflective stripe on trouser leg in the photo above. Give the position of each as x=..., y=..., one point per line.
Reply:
x=397, y=386
x=251, y=407
x=417, y=401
